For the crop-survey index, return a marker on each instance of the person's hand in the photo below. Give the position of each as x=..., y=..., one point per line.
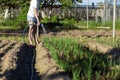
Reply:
x=38, y=23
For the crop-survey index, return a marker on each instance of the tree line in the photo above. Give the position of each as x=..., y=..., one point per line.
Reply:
x=16, y=3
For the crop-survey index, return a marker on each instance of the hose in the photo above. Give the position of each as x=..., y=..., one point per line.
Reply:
x=32, y=71
x=43, y=28
x=23, y=34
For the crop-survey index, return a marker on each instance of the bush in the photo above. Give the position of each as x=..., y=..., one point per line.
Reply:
x=92, y=24
x=6, y=22
x=68, y=21
x=20, y=20
x=53, y=19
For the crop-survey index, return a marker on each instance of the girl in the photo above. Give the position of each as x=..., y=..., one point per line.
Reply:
x=33, y=20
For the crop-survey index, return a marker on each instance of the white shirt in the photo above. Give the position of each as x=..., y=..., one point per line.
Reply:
x=33, y=4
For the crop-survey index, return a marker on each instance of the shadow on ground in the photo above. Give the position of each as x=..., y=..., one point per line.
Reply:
x=23, y=69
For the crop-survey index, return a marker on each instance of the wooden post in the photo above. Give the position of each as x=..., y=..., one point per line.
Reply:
x=87, y=13
x=6, y=12
x=114, y=17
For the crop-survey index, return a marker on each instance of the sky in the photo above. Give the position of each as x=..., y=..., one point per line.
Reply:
x=90, y=1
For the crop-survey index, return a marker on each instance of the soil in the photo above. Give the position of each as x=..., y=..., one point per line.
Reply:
x=16, y=63
x=16, y=58
x=75, y=32
x=103, y=49
x=47, y=67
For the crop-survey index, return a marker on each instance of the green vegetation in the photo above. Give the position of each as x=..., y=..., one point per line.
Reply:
x=68, y=22
x=13, y=38
x=21, y=20
x=13, y=3
x=84, y=64
x=2, y=28
x=108, y=41
x=64, y=24
x=18, y=22
x=53, y=19
x=94, y=25
x=67, y=3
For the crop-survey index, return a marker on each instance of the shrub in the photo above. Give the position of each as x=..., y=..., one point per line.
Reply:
x=20, y=20
x=52, y=19
x=68, y=21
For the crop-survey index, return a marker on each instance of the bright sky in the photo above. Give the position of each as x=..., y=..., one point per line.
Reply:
x=90, y=1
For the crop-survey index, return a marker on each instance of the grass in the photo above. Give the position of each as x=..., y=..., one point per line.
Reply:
x=93, y=25
x=107, y=41
x=67, y=23
x=7, y=25
x=13, y=38
x=8, y=28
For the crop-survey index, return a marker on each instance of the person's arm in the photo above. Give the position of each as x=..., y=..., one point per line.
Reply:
x=36, y=15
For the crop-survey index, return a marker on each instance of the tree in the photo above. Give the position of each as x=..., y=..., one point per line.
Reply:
x=100, y=4
x=7, y=4
x=13, y=3
x=67, y=3
x=64, y=3
x=79, y=0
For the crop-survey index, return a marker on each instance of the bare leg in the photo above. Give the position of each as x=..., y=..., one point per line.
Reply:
x=30, y=34
x=36, y=38
x=37, y=34
x=34, y=35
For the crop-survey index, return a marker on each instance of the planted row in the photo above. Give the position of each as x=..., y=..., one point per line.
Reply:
x=109, y=41
x=84, y=64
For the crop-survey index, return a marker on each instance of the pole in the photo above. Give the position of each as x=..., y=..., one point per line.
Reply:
x=87, y=13
x=114, y=17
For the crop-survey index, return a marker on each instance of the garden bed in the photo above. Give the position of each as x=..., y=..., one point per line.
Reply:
x=84, y=63
x=15, y=61
x=74, y=56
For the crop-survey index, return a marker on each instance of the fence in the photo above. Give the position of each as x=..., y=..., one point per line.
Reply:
x=108, y=13
x=79, y=13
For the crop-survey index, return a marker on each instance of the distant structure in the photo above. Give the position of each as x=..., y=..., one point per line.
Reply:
x=108, y=10
x=103, y=11
x=100, y=12
x=95, y=11
x=117, y=2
